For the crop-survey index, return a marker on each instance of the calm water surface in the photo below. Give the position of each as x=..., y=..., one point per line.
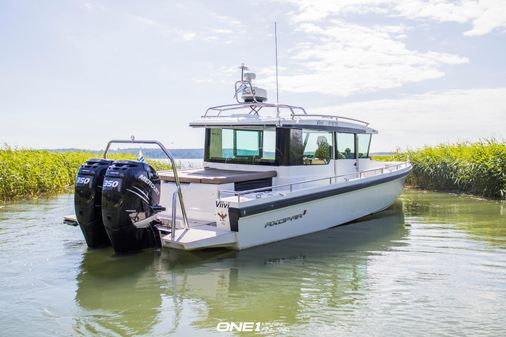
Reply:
x=432, y=265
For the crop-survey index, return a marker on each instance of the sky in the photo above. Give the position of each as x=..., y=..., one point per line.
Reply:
x=74, y=74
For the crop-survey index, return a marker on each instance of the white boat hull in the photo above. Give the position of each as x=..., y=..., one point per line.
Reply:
x=316, y=215
x=329, y=207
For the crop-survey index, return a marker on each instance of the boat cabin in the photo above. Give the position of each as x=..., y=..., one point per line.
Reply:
x=292, y=146
x=248, y=148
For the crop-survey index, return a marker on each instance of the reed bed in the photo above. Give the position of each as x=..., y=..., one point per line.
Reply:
x=30, y=173
x=476, y=168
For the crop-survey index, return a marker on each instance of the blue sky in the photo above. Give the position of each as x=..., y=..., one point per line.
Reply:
x=78, y=73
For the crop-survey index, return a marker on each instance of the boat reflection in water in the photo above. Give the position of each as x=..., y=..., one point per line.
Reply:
x=283, y=284
x=120, y=295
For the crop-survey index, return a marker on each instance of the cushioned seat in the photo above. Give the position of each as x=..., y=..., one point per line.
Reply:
x=215, y=176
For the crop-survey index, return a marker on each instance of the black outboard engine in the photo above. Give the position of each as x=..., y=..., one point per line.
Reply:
x=131, y=193
x=88, y=202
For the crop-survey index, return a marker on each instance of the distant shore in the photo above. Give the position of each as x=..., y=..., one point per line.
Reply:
x=148, y=152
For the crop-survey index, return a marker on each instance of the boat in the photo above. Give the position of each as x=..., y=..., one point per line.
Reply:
x=270, y=172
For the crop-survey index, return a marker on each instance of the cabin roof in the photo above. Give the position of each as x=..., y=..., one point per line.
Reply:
x=287, y=116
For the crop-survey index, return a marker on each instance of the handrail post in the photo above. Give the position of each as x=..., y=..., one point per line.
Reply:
x=174, y=210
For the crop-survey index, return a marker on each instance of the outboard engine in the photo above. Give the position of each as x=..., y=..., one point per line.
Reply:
x=130, y=195
x=88, y=202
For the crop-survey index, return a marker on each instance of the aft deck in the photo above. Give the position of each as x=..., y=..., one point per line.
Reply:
x=198, y=237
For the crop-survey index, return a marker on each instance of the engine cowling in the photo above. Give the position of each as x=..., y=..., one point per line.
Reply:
x=131, y=193
x=88, y=201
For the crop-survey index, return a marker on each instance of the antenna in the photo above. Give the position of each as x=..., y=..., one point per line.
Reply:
x=276, y=49
x=243, y=68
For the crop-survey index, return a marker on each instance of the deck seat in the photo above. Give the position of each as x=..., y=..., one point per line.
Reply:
x=215, y=176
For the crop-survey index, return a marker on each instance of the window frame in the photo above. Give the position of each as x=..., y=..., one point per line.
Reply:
x=331, y=145
x=355, y=143
x=367, y=154
x=260, y=143
x=244, y=160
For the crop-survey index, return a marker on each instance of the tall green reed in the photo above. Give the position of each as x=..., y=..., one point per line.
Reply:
x=30, y=173
x=477, y=168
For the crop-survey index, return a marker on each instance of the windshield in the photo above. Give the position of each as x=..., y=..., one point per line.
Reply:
x=242, y=146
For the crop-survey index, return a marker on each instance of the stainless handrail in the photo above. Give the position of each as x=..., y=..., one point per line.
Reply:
x=290, y=185
x=255, y=107
x=331, y=116
x=172, y=161
x=174, y=210
x=251, y=105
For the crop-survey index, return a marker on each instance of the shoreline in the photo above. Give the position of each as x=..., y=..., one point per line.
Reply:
x=477, y=169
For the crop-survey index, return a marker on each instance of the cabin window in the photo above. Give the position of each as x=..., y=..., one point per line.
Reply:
x=345, y=146
x=289, y=146
x=247, y=143
x=364, y=142
x=317, y=147
x=241, y=146
x=269, y=145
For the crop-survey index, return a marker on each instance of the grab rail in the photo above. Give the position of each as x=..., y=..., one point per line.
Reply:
x=255, y=107
x=337, y=118
x=172, y=161
x=359, y=175
x=174, y=210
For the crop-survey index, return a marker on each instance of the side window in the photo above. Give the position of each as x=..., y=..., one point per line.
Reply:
x=242, y=146
x=317, y=147
x=345, y=146
x=364, y=140
x=247, y=143
x=221, y=143
x=295, y=149
x=269, y=145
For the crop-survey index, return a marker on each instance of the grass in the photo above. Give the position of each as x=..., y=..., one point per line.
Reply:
x=475, y=168
x=29, y=173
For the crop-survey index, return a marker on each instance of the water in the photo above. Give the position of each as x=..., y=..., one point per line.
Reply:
x=186, y=163
x=434, y=264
